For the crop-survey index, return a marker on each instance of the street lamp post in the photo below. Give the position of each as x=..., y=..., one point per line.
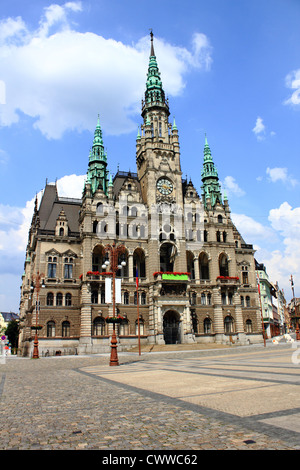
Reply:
x=114, y=252
x=38, y=284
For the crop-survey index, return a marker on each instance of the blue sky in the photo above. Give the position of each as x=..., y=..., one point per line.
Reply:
x=231, y=69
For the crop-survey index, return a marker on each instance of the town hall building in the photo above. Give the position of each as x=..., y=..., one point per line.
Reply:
x=184, y=273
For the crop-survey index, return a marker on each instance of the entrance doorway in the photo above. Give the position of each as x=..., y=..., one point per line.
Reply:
x=171, y=324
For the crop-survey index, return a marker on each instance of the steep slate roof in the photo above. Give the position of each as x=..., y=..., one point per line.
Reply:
x=50, y=208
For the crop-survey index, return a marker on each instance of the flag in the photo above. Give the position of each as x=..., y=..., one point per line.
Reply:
x=137, y=277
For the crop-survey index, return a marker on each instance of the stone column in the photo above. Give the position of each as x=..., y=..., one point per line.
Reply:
x=196, y=269
x=130, y=267
x=85, y=340
x=239, y=318
x=218, y=315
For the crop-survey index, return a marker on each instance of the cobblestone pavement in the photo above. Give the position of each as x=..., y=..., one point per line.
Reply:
x=238, y=399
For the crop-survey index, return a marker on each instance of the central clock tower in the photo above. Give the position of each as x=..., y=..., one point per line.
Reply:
x=158, y=152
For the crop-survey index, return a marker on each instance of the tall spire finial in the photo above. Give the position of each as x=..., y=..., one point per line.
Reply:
x=152, y=53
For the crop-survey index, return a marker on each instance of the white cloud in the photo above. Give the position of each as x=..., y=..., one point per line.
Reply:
x=71, y=186
x=62, y=78
x=281, y=174
x=232, y=186
x=282, y=263
x=251, y=230
x=293, y=82
x=259, y=128
x=277, y=244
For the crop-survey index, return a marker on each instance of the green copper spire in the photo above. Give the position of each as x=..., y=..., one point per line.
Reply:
x=211, y=187
x=154, y=90
x=97, y=173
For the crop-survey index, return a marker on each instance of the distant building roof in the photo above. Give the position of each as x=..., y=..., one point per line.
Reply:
x=9, y=316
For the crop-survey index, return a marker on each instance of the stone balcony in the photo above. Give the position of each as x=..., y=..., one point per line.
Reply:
x=221, y=280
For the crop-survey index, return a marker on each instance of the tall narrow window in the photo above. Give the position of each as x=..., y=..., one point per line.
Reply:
x=65, y=329
x=50, y=329
x=68, y=268
x=223, y=263
x=207, y=326
x=59, y=299
x=203, y=265
x=68, y=300
x=52, y=267
x=50, y=298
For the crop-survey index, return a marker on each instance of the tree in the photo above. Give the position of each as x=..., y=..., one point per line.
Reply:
x=12, y=332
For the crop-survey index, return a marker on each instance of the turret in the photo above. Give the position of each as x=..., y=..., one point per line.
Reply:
x=97, y=172
x=211, y=190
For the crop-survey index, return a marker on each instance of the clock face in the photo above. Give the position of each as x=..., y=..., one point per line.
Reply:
x=164, y=186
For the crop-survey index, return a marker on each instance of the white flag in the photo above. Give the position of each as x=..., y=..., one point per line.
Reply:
x=118, y=290
x=108, y=299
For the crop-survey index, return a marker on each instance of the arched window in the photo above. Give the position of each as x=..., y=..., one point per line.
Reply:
x=143, y=298
x=98, y=326
x=99, y=209
x=61, y=232
x=223, y=264
x=133, y=211
x=203, y=299
x=59, y=299
x=228, y=325
x=125, y=210
x=204, y=267
x=193, y=298
x=167, y=257
x=207, y=326
x=98, y=258
x=139, y=263
x=124, y=327
x=50, y=329
x=126, y=298
x=220, y=219
x=248, y=326
x=65, y=329
x=50, y=298
x=68, y=300
x=190, y=263
x=141, y=323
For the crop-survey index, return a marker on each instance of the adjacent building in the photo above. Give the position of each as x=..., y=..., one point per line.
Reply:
x=196, y=274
